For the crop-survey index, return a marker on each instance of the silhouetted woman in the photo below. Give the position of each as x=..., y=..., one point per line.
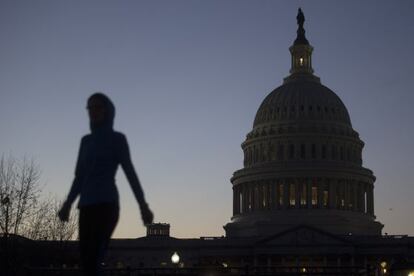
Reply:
x=100, y=154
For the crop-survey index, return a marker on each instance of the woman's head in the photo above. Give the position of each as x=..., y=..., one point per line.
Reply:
x=101, y=111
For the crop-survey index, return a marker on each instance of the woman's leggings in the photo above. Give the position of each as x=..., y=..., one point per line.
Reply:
x=96, y=224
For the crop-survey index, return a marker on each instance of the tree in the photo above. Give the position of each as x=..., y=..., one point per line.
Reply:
x=23, y=210
x=19, y=192
x=44, y=224
x=61, y=230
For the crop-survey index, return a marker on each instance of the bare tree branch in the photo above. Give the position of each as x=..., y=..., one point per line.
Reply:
x=23, y=210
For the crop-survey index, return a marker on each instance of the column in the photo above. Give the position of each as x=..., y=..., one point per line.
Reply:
x=355, y=195
x=239, y=191
x=276, y=185
x=360, y=197
x=332, y=191
x=285, y=193
x=346, y=188
x=320, y=192
x=235, y=200
x=244, y=198
x=238, y=198
x=370, y=199
x=269, y=196
x=253, y=196
x=273, y=195
x=340, y=192
x=259, y=195
x=298, y=188
x=248, y=197
x=365, y=198
x=309, y=192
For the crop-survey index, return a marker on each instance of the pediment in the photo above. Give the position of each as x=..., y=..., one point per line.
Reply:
x=303, y=236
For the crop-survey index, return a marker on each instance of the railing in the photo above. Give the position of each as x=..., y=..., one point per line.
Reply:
x=210, y=271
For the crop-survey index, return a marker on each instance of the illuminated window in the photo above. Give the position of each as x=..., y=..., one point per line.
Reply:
x=303, y=195
x=325, y=198
x=264, y=201
x=292, y=194
x=250, y=201
x=314, y=196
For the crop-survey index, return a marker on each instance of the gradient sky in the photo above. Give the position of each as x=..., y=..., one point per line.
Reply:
x=187, y=78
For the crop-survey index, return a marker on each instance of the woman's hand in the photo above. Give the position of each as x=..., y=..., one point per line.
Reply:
x=146, y=214
x=64, y=212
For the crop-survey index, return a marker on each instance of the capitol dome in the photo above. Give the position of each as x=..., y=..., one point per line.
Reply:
x=301, y=101
x=302, y=161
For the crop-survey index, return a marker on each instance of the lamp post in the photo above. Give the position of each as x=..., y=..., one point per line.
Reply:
x=175, y=259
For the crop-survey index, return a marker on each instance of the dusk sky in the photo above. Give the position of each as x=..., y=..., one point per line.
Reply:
x=187, y=78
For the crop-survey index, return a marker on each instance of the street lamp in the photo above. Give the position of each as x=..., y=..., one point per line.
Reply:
x=175, y=259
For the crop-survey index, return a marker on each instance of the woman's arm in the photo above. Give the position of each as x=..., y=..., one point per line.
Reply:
x=75, y=188
x=77, y=181
x=128, y=167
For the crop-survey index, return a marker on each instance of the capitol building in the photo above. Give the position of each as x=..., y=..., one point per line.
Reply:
x=302, y=161
x=303, y=202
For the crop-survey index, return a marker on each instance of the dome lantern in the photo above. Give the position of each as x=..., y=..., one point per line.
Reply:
x=301, y=50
